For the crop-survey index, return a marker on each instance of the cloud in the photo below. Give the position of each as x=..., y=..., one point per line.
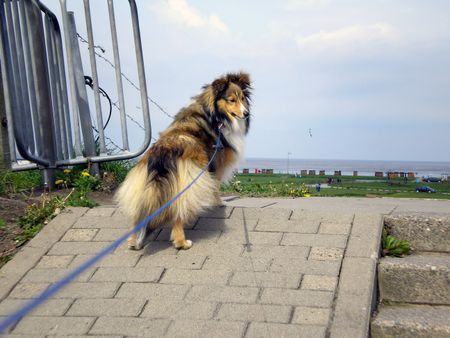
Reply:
x=350, y=38
x=179, y=12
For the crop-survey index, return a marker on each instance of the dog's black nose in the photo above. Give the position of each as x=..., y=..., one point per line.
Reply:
x=246, y=114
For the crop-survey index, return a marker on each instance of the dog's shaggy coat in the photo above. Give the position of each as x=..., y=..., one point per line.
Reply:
x=181, y=152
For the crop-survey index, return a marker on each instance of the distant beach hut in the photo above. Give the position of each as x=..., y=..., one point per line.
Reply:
x=411, y=175
x=378, y=174
x=355, y=173
x=337, y=173
x=245, y=171
x=269, y=171
x=304, y=172
x=312, y=173
x=322, y=172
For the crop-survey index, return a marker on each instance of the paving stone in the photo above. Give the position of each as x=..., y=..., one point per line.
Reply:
x=125, y=274
x=191, y=262
x=52, y=275
x=298, y=226
x=197, y=277
x=179, y=309
x=54, y=325
x=351, y=316
x=154, y=248
x=47, y=262
x=137, y=327
x=152, y=291
x=88, y=290
x=237, y=263
x=28, y=290
x=284, y=330
x=283, y=252
x=289, y=265
x=335, y=228
x=194, y=235
x=225, y=225
x=252, y=237
x=197, y=328
x=357, y=276
x=255, y=313
x=218, y=212
x=259, y=213
x=79, y=235
x=218, y=293
x=100, y=212
x=91, y=222
x=75, y=248
x=317, y=240
x=106, y=307
x=326, y=254
x=112, y=260
x=297, y=297
x=311, y=316
x=317, y=282
x=323, y=216
x=208, y=249
x=266, y=279
x=108, y=234
x=51, y=307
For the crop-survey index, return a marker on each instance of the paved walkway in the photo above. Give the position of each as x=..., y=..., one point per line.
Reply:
x=258, y=268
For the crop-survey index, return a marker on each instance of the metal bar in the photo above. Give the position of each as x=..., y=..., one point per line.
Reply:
x=58, y=105
x=141, y=74
x=7, y=93
x=22, y=81
x=29, y=72
x=53, y=88
x=73, y=90
x=98, y=106
x=63, y=92
x=42, y=85
x=115, y=44
x=10, y=99
x=83, y=104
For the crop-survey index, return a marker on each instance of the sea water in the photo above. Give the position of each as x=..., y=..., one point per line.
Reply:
x=363, y=167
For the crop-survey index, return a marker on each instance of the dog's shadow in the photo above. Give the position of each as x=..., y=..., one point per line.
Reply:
x=207, y=228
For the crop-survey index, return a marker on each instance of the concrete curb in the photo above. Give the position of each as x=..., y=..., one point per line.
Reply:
x=356, y=296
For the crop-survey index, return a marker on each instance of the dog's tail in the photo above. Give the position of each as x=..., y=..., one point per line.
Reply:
x=143, y=192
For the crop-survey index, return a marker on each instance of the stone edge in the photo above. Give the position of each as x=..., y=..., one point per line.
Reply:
x=24, y=260
x=357, y=290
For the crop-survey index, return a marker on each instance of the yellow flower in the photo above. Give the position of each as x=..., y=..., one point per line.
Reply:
x=57, y=182
x=67, y=171
x=307, y=195
x=85, y=174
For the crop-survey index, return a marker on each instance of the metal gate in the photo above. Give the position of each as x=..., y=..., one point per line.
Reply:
x=45, y=97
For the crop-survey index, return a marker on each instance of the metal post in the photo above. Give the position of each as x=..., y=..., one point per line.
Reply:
x=115, y=43
x=98, y=106
x=83, y=104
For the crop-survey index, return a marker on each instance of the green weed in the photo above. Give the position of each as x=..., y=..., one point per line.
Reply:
x=393, y=246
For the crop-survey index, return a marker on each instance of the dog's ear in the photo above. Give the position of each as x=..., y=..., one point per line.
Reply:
x=219, y=86
x=241, y=79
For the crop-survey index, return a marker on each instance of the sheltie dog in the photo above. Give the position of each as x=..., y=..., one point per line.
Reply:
x=180, y=154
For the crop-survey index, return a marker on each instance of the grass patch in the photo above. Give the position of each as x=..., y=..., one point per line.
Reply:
x=281, y=185
x=13, y=182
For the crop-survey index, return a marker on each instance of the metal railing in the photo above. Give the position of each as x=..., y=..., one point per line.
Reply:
x=46, y=102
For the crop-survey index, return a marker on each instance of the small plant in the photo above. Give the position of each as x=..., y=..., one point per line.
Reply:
x=2, y=224
x=393, y=246
x=37, y=215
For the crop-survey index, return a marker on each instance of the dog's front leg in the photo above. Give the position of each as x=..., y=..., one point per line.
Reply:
x=178, y=238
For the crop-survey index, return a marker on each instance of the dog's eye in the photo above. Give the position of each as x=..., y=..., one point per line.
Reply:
x=232, y=100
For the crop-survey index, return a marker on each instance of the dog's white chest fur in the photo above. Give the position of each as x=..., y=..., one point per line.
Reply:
x=236, y=138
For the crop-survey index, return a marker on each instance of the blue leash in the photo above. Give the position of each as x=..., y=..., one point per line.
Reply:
x=24, y=310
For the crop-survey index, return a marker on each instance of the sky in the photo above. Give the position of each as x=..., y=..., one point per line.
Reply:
x=347, y=79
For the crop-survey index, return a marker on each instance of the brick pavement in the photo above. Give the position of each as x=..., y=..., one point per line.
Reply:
x=252, y=272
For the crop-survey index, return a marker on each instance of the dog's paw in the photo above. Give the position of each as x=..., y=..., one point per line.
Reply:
x=185, y=245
